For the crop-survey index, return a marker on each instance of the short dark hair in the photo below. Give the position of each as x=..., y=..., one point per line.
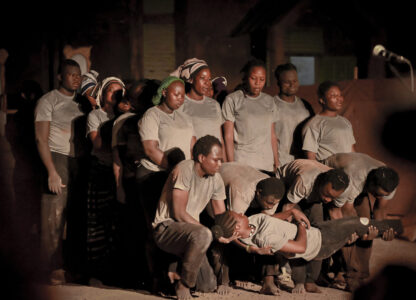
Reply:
x=67, y=63
x=324, y=87
x=204, y=145
x=247, y=69
x=224, y=225
x=337, y=177
x=384, y=177
x=283, y=68
x=271, y=186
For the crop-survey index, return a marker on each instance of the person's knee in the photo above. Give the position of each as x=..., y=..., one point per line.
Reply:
x=202, y=238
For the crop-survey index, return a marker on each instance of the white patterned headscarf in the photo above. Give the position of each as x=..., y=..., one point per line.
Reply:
x=105, y=83
x=189, y=67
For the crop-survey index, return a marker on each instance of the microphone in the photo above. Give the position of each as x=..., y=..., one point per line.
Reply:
x=379, y=50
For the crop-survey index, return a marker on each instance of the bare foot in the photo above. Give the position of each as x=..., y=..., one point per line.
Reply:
x=269, y=288
x=182, y=292
x=299, y=288
x=311, y=287
x=173, y=276
x=223, y=289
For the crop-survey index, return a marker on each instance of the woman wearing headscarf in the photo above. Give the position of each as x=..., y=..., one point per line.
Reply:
x=101, y=184
x=250, y=117
x=204, y=111
x=164, y=127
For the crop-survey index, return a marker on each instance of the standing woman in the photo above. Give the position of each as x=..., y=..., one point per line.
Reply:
x=101, y=185
x=328, y=133
x=163, y=127
x=204, y=111
x=250, y=117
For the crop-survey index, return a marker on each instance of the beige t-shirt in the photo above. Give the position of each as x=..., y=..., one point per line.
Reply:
x=253, y=119
x=169, y=130
x=200, y=191
x=205, y=115
x=290, y=115
x=61, y=111
x=356, y=166
x=240, y=184
x=328, y=135
x=299, y=177
x=276, y=233
x=95, y=121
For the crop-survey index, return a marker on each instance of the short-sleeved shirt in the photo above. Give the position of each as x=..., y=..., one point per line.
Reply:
x=290, y=115
x=200, y=191
x=205, y=115
x=61, y=111
x=299, y=177
x=169, y=130
x=356, y=166
x=240, y=184
x=273, y=232
x=253, y=119
x=325, y=136
x=95, y=122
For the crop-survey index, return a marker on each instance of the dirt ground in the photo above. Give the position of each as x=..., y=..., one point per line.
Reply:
x=397, y=252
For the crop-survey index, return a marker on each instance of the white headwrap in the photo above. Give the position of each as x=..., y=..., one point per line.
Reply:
x=189, y=67
x=105, y=83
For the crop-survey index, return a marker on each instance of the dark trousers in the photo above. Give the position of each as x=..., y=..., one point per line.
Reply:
x=190, y=242
x=53, y=211
x=357, y=255
x=336, y=233
x=303, y=271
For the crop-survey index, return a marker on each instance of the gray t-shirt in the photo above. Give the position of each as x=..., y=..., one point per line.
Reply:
x=356, y=166
x=169, y=130
x=200, y=191
x=253, y=119
x=273, y=232
x=290, y=115
x=240, y=183
x=328, y=135
x=61, y=111
x=299, y=177
x=95, y=121
x=205, y=114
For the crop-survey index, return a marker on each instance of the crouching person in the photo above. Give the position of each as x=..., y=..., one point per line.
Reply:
x=177, y=230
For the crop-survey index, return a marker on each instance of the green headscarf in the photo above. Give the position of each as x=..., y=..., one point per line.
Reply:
x=164, y=85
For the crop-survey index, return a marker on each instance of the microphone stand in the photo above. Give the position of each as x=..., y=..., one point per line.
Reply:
x=394, y=70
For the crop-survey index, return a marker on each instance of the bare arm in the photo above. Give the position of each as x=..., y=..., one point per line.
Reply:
x=310, y=155
x=151, y=148
x=293, y=213
x=224, y=153
x=348, y=210
x=229, y=139
x=179, y=202
x=96, y=140
x=380, y=209
x=118, y=171
x=335, y=213
x=353, y=148
x=42, y=134
x=218, y=207
x=275, y=148
x=298, y=245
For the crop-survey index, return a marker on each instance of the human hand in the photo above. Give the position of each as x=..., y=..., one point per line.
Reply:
x=224, y=240
x=261, y=251
x=353, y=238
x=55, y=183
x=371, y=235
x=300, y=217
x=389, y=235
